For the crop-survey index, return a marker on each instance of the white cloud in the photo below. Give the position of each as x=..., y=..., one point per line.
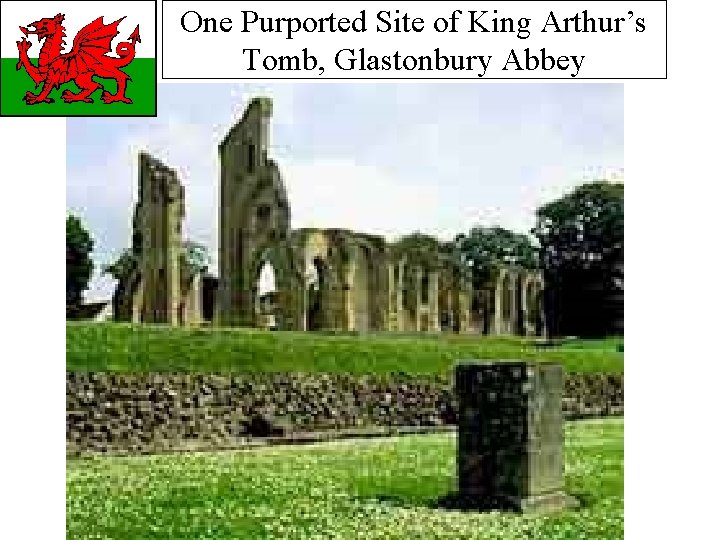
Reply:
x=336, y=193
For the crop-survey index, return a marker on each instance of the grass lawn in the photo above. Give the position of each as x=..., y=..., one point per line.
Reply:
x=133, y=348
x=379, y=489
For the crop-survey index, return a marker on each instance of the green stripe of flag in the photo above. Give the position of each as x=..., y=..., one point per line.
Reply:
x=141, y=89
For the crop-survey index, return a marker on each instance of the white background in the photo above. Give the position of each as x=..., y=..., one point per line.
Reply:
x=671, y=303
x=77, y=15
x=216, y=55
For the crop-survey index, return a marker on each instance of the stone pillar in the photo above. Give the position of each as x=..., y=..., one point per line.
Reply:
x=543, y=330
x=524, y=326
x=349, y=296
x=160, y=210
x=434, y=302
x=392, y=324
x=244, y=170
x=136, y=304
x=464, y=301
x=496, y=299
x=192, y=307
x=400, y=286
x=510, y=435
x=417, y=286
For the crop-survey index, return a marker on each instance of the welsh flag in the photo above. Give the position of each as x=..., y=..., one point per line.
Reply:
x=78, y=58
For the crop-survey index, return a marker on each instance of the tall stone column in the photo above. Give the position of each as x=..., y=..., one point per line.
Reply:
x=506, y=304
x=192, y=312
x=434, y=302
x=136, y=307
x=401, y=315
x=161, y=209
x=381, y=293
x=417, y=282
x=463, y=312
x=247, y=176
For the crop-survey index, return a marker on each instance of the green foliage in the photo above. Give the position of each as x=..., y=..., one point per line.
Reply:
x=78, y=263
x=373, y=489
x=581, y=252
x=124, y=347
x=123, y=266
x=418, y=249
x=196, y=257
x=486, y=248
x=583, y=229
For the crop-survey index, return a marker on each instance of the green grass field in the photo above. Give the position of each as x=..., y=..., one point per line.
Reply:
x=141, y=90
x=371, y=489
x=133, y=348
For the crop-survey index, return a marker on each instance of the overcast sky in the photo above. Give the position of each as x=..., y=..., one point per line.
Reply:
x=383, y=158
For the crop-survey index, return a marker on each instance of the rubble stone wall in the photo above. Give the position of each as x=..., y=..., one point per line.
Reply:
x=159, y=412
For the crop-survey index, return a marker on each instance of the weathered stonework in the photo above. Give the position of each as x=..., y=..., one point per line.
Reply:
x=159, y=287
x=510, y=435
x=254, y=225
x=325, y=279
x=122, y=413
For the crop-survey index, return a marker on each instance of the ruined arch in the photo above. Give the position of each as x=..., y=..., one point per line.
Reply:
x=265, y=297
x=286, y=301
x=324, y=278
x=254, y=222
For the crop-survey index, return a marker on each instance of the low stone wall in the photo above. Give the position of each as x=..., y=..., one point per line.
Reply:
x=159, y=412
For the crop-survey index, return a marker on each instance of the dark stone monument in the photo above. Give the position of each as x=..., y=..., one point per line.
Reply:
x=510, y=436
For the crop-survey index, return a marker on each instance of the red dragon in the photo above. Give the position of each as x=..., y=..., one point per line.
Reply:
x=87, y=59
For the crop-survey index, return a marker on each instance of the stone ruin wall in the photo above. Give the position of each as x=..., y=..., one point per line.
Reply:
x=359, y=283
x=158, y=287
x=154, y=412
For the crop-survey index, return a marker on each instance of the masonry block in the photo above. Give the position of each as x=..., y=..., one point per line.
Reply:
x=510, y=435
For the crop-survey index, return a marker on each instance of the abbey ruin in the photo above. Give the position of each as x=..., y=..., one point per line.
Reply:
x=325, y=279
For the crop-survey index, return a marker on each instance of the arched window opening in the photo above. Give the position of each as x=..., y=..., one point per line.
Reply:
x=266, y=297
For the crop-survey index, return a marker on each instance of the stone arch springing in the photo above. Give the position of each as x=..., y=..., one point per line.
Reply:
x=286, y=302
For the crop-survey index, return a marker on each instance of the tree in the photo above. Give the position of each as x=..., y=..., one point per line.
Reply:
x=486, y=248
x=581, y=239
x=418, y=248
x=196, y=257
x=79, y=266
x=123, y=266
